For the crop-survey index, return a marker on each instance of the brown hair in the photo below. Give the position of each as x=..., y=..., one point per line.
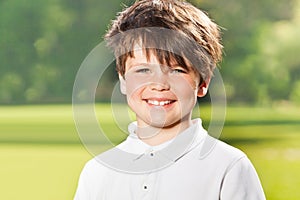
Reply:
x=173, y=30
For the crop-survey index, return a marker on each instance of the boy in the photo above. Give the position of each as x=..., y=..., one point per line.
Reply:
x=166, y=51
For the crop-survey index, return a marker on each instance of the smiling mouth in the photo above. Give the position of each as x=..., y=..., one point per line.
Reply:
x=159, y=103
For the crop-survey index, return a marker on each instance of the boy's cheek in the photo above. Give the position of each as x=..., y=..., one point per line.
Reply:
x=135, y=82
x=184, y=84
x=133, y=87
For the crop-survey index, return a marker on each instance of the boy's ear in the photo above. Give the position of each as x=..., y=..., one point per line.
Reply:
x=203, y=88
x=122, y=84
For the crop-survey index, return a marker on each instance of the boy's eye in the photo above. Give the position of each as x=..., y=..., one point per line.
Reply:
x=179, y=70
x=143, y=70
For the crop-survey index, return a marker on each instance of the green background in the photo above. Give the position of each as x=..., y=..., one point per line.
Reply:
x=43, y=43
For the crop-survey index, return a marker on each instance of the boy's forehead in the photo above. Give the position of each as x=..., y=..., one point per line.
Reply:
x=143, y=53
x=140, y=56
x=149, y=55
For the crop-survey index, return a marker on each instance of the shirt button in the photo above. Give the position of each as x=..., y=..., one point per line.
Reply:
x=145, y=187
x=151, y=154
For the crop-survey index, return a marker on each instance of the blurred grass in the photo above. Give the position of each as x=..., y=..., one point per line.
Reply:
x=271, y=139
x=41, y=154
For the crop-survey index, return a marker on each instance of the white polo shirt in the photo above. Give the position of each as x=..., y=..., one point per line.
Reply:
x=192, y=166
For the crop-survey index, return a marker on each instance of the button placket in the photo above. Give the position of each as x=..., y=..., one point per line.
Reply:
x=147, y=182
x=151, y=154
x=148, y=186
x=145, y=187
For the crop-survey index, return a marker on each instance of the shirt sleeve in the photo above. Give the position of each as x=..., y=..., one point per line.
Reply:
x=82, y=191
x=241, y=182
x=91, y=184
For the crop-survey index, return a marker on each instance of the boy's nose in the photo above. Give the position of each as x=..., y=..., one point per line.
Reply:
x=160, y=83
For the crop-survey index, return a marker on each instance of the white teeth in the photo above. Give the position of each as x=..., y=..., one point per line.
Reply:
x=158, y=103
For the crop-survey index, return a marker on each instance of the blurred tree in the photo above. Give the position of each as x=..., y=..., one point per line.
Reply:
x=276, y=62
x=242, y=22
x=295, y=93
x=44, y=42
x=19, y=26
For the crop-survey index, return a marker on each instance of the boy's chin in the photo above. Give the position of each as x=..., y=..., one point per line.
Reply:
x=152, y=129
x=163, y=124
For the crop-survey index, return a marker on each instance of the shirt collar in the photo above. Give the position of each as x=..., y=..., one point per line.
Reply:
x=135, y=156
x=172, y=149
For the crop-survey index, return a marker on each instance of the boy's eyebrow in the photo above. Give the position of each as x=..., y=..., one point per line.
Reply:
x=162, y=66
x=151, y=64
x=139, y=64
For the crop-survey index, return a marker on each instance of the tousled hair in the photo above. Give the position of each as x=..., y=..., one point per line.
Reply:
x=171, y=30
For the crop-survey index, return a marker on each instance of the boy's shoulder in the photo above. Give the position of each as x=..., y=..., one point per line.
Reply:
x=213, y=148
x=96, y=166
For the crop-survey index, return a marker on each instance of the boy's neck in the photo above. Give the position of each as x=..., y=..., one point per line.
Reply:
x=154, y=136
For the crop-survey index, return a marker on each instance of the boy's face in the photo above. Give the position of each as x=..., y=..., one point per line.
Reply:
x=161, y=96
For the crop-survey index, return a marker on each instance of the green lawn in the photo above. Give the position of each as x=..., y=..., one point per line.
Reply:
x=41, y=155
